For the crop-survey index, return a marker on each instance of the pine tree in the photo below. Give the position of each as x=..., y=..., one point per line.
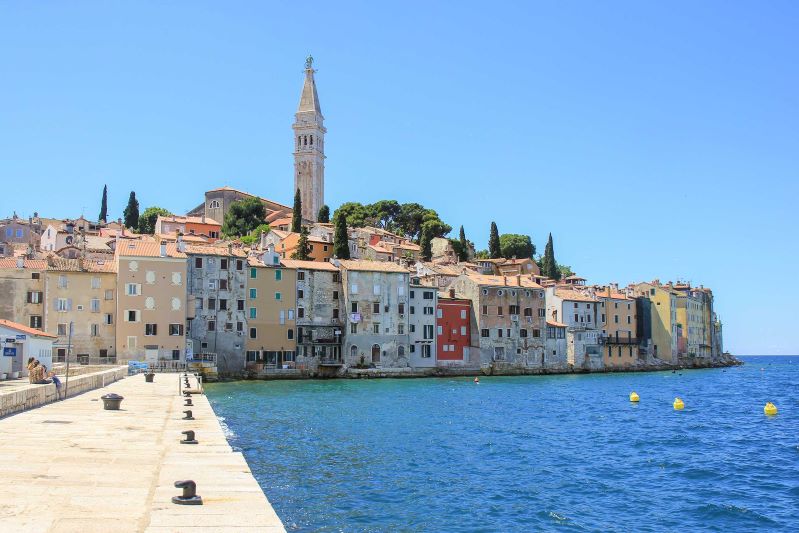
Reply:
x=549, y=267
x=296, y=217
x=131, y=212
x=341, y=243
x=303, y=251
x=426, y=244
x=324, y=215
x=104, y=205
x=494, y=249
x=464, y=251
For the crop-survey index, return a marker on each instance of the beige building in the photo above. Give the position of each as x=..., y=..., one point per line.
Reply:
x=271, y=302
x=617, y=318
x=151, y=301
x=81, y=294
x=22, y=291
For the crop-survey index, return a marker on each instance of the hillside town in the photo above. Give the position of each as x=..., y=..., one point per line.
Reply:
x=292, y=294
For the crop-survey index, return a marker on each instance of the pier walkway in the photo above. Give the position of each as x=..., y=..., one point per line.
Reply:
x=72, y=466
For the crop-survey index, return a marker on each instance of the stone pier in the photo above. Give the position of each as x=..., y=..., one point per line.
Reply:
x=72, y=466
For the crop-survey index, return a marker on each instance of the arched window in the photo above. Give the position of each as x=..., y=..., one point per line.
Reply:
x=311, y=143
x=213, y=204
x=299, y=141
x=375, y=353
x=353, y=351
x=305, y=140
x=401, y=351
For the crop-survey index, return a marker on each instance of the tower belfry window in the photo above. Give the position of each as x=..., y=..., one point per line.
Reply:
x=311, y=143
x=305, y=140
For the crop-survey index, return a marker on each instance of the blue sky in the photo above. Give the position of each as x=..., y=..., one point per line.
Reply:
x=652, y=140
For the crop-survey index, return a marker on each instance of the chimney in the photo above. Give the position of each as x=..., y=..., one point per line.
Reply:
x=452, y=293
x=504, y=280
x=181, y=245
x=519, y=280
x=163, y=249
x=203, y=218
x=20, y=262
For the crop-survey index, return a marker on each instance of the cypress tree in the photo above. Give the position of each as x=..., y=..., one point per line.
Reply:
x=104, y=205
x=296, y=216
x=303, y=251
x=131, y=212
x=494, y=249
x=426, y=244
x=324, y=215
x=549, y=267
x=464, y=251
x=341, y=243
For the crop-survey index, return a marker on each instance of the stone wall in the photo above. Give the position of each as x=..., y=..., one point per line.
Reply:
x=38, y=395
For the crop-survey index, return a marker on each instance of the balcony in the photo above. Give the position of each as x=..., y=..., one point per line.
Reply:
x=608, y=339
x=331, y=361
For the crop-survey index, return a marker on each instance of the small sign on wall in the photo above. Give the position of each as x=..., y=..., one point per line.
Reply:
x=9, y=352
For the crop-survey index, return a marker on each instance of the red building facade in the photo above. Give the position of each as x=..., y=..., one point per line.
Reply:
x=453, y=329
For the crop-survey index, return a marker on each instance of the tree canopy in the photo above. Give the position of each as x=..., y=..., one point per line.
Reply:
x=404, y=219
x=149, y=216
x=324, y=215
x=514, y=245
x=255, y=235
x=494, y=248
x=131, y=212
x=549, y=267
x=243, y=217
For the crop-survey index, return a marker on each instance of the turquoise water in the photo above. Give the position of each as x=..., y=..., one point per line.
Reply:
x=566, y=453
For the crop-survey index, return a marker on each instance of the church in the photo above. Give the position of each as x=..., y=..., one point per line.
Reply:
x=309, y=165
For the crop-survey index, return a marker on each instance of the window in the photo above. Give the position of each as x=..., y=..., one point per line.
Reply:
x=278, y=275
x=413, y=310
x=541, y=312
x=335, y=295
x=523, y=333
x=376, y=353
x=412, y=328
x=426, y=351
x=400, y=329
x=132, y=289
x=213, y=204
x=223, y=263
x=95, y=305
x=576, y=317
x=290, y=334
x=109, y=294
x=428, y=311
x=253, y=333
x=336, y=277
x=400, y=350
x=463, y=330
x=212, y=284
x=513, y=309
x=95, y=282
x=335, y=313
x=212, y=304
x=629, y=319
x=439, y=313
x=300, y=312
x=354, y=328
x=499, y=332
x=463, y=314
x=175, y=330
x=63, y=304
x=440, y=330
x=427, y=295
x=61, y=330
x=536, y=333
x=428, y=332
x=223, y=304
x=300, y=276
x=376, y=328
x=108, y=319
x=376, y=308
x=176, y=355
x=34, y=297
x=223, y=284
x=401, y=308
x=253, y=273
x=485, y=309
x=603, y=317
x=499, y=311
x=282, y=317
x=150, y=330
x=94, y=330
x=291, y=314
x=212, y=325
x=35, y=275
x=376, y=290
x=253, y=312
x=35, y=321
x=253, y=294
x=354, y=307
x=239, y=264
x=198, y=262
x=300, y=294
x=131, y=343
x=484, y=333
x=62, y=282
x=277, y=296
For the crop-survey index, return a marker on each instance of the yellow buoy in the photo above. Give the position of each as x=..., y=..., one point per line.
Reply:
x=770, y=409
x=679, y=405
x=634, y=396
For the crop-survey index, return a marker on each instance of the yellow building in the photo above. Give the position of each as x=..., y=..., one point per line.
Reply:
x=693, y=315
x=662, y=324
x=81, y=293
x=271, y=302
x=151, y=302
x=22, y=297
x=618, y=320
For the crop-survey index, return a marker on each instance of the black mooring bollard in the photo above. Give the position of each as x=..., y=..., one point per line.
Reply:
x=189, y=496
x=188, y=415
x=186, y=393
x=188, y=403
x=189, y=438
x=148, y=378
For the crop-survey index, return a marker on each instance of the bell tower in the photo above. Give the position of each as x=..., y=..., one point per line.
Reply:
x=309, y=148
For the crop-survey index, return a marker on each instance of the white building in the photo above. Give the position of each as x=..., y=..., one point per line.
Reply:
x=577, y=309
x=422, y=313
x=20, y=342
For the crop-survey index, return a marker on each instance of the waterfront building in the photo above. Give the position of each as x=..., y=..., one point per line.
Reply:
x=664, y=330
x=22, y=287
x=318, y=315
x=424, y=327
x=437, y=274
x=557, y=351
x=577, y=308
x=19, y=342
x=151, y=302
x=271, y=303
x=375, y=300
x=507, y=319
x=188, y=225
x=81, y=308
x=217, y=298
x=309, y=147
x=617, y=318
x=454, y=321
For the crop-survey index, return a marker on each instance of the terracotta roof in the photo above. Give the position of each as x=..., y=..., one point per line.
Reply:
x=309, y=265
x=61, y=264
x=34, y=264
x=574, y=277
x=556, y=324
x=226, y=188
x=189, y=219
x=255, y=262
x=187, y=238
x=573, y=296
x=613, y=295
x=445, y=270
x=147, y=249
x=222, y=251
x=282, y=221
x=26, y=329
x=497, y=261
x=502, y=281
x=371, y=266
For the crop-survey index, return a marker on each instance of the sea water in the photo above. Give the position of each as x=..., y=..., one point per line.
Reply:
x=565, y=453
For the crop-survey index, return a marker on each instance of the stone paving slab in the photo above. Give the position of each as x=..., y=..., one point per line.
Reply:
x=71, y=466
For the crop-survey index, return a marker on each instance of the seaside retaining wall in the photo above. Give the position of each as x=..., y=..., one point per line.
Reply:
x=38, y=395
